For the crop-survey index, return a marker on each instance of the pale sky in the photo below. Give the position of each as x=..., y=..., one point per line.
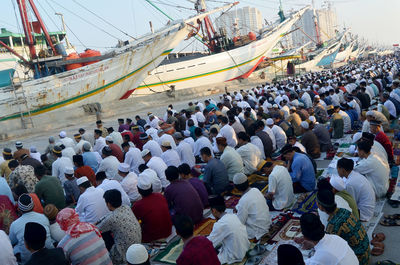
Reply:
x=375, y=20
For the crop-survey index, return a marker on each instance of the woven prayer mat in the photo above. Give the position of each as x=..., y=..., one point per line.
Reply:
x=289, y=231
x=309, y=204
x=204, y=228
x=232, y=202
x=170, y=254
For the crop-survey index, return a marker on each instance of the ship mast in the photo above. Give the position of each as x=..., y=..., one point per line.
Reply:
x=201, y=7
x=319, y=42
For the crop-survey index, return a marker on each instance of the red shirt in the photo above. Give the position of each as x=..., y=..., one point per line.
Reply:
x=117, y=152
x=200, y=251
x=136, y=140
x=87, y=172
x=127, y=133
x=153, y=214
x=385, y=142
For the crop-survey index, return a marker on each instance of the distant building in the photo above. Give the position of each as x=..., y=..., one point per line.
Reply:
x=241, y=21
x=327, y=24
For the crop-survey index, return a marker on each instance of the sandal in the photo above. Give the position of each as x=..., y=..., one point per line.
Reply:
x=390, y=222
x=378, y=249
x=392, y=216
x=378, y=237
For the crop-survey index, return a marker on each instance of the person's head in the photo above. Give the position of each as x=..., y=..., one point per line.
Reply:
x=305, y=126
x=13, y=164
x=213, y=132
x=52, y=140
x=326, y=200
x=144, y=186
x=375, y=126
x=184, y=226
x=198, y=132
x=113, y=199
x=81, y=131
x=287, y=152
x=50, y=211
x=144, y=138
x=125, y=147
x=289, y=255
x=184, y=171
x=243, y=138
x=78, y=160
x=57, y=151
x=337, y=184
x=34, y=236
x=86, y=147
x=18, y=145
x=166, y=145
x=84, y=183
x=137, y=255
x=106, y=151
x=172, y=173
x=123, y=169
x=205, y=154
x=109, y=140
x=97, y=134
x=311, y=227
x=7, y=154
x=344, y=166
x=364, y=149
x=44, y=158
x=99, y=124
x=40, y=171
x=67, y=218
x=100, y=177
x=25, y=203
x=221, y=143
x=217, y=205
x=146, y=155
x=241, y=182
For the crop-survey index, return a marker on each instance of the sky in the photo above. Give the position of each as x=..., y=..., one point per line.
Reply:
x=375, y=20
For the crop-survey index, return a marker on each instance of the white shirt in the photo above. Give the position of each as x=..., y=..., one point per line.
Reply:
x=390, y=107
x=251, y=157
x=346, y=121
x=34, y=156
x=229, y=134
x=231, y=234
x=99, y=144
x=112, y=184
x=129, y=184
x=363, y=193
x=91, y=205
x=67, y=142
x=200, y=143
x=200, y=117
x=171, y=158
x=280, y=136
x=68, y=152
x=152, y=176
x=378, y=149
x=201, y=106
x=232, y=161
x=117, y=138
x=154, y=123
x=281, y=184
x=134, y=159
x=6, y=254
x=79, y=146
x=158, y=165
x=190, y=141
x=185, y=152
x=271, y=135
x=110, y=166
x=56, y=232
x=332, y=250
x=253, y=211
x=59, y=166
x=377, y=172
x=153, y=147
x=167, y=138
x=257, y=142
x=153, y=133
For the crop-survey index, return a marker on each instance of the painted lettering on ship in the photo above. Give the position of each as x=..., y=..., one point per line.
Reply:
x=85, y=74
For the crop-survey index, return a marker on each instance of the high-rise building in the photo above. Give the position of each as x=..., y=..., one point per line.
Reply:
x=241, y=21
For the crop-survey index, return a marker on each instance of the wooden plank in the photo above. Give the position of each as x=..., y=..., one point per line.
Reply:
x=80, y=60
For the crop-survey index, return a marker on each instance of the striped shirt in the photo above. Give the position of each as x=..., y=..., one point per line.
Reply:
x=87, y=249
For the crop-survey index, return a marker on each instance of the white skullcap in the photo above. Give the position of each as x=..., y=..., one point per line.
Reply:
x=109, y=139
x=33, y=149
x=305, y=125
x=145, y=152
x=369, y=113
x=270, y=121
x=144, y=183
x=337, y=183
x=275, y=106
x=81, y=180
x=269, y=106
x=69, y=170
x=292, y=108
x=123, y=167
x=312, y=119
x=317, y=97
x=63, y=134
x=239, y=178
x=357, y=136
x=186, y=133
x=166, y=144
x=137, y=254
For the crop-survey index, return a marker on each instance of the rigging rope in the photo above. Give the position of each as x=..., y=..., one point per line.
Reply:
x=123, y=32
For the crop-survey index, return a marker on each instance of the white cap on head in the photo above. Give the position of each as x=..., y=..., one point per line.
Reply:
x=312, y=119
x=63, y=134
x=270, y=121
x=145, y=152
x=166, y=144
x=239, y=178
x=269, y=106
x=123, y=167
x=109, y=139
x=144, y=183
x=186, y=133
x=305, y=125
x=292, y=108
x=337, y=183
x=275, y=106
x=357, y=136
x=317, y=96
x=69, y=170
x=81, y=180
x=137, y=254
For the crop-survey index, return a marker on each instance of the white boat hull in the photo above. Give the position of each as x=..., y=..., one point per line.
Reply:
x=216, y=68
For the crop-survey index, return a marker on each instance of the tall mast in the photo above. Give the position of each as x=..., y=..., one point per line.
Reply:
x=319, y=42
x=65, y=30
x=201, y=7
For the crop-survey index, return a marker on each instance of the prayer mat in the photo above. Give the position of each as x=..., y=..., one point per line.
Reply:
x=252, y=179
x=289, y=231
x=171, y=253
x=277, y=223
x=232, y=202
x=204, y=228
x=261, y=185
x=309, y=204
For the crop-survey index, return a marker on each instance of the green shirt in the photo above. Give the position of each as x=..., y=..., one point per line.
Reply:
x=351, y=201
x=337, y=125
x=50, y=191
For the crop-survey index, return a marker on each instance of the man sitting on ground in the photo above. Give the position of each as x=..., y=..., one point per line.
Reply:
x=215, y=175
